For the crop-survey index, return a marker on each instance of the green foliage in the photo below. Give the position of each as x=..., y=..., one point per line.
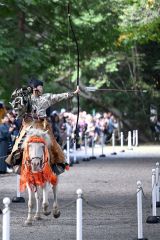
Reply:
x=140, y=21
x=118, y=43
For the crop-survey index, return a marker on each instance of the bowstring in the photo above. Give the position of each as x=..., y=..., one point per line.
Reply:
x=69, y=101
x=78, y=65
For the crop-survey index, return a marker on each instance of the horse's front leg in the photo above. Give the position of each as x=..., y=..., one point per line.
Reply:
x=30, y=206
x=37, y=216
x=56, y=211
x=45, y=203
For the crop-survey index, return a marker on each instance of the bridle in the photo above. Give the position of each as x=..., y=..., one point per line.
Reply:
x=28, y=160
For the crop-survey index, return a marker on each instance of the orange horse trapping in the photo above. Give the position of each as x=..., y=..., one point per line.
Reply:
x=37, y=178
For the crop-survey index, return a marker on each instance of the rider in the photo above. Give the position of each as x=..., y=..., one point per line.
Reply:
x=35, y=117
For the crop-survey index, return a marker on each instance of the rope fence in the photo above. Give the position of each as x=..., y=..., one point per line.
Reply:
x=81, y=200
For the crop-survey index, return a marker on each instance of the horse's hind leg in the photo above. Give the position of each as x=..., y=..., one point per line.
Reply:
x=37, y=216
x=56, y=211
x=45, y=203
x=30, y=206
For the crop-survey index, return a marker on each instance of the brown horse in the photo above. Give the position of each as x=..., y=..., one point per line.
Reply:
x=36, y=172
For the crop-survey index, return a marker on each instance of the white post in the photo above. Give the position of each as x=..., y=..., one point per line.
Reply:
x=154, y=213
x=92, y=146
x=134, y=138
x=102, y=144
x=93, y=157
x=85, y=142
x=136, y=133
x=18, y=198
x=75, y=155
x=6, y=220
x=68, y=147
x=113, y=142
x=139, y=210
x=122, y=142
x=79, y=215
x=129, y=140
x=17, y=186
x=157, y=182
x=122, y=138
x=153, y=218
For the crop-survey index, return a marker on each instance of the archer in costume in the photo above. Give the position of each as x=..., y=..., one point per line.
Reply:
x=31, y=104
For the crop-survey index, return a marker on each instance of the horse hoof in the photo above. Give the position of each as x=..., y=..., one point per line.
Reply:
x=47, y=213
x=45, y=210
x=28, y=223
x=57, y=215
x=36, y=217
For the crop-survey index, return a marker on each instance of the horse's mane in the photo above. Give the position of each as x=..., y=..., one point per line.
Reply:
x=39, y=133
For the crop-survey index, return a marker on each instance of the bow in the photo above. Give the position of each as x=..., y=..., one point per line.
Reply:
x=77, y=49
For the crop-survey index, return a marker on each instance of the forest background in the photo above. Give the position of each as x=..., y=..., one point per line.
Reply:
x=119, y=46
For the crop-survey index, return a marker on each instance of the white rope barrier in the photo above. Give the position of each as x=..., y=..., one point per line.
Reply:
x=6, y=219
x=79, y=215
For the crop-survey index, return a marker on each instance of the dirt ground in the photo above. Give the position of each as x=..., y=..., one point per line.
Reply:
x=109, y=185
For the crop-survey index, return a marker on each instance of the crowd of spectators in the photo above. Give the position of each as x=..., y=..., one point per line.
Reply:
x=63, y=124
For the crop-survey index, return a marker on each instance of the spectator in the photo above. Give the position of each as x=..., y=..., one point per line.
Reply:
x=5, y=138
x=16, y=124
x=2, y=111
x=153, y=122
x=157, y=129
x=111, y=125
x=55, y=122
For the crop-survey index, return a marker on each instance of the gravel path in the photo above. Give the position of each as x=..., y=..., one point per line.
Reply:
x=109, y=186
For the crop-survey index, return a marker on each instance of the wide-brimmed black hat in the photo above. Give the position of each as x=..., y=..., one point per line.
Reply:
x=35, y=83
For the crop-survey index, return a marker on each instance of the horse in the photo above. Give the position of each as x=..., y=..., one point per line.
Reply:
x=36, y=173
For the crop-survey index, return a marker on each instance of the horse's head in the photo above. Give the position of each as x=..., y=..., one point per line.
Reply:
x=36, y=146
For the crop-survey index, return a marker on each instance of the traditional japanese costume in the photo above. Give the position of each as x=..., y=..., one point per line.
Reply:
x=33, y=110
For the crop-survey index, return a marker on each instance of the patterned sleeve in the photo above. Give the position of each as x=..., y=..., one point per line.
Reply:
x=54, y=98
